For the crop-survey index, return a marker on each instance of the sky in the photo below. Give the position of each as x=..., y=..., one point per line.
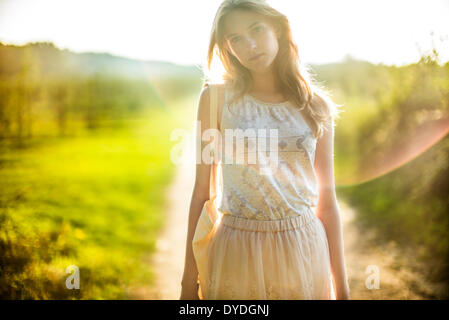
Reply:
x=379, y=31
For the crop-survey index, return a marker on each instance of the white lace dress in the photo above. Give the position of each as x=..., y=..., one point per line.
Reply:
x=267, y=242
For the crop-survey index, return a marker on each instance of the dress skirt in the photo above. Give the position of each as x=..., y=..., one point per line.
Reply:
x=248, y=259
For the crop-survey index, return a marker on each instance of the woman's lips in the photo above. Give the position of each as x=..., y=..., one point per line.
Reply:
x=256, y=57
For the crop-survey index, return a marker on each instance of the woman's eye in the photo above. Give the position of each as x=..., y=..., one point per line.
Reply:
x=235, y=39
x=257, y=29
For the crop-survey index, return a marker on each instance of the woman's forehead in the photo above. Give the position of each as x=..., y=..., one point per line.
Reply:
x=240, y=20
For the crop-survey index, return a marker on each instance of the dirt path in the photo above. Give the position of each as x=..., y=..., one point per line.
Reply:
x=168, y=260
x=396, y=278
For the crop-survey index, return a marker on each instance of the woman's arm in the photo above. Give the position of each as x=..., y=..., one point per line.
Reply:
x=328, y=210
x=200, y=195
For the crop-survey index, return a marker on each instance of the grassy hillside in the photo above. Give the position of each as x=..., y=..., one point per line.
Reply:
x=94, y=201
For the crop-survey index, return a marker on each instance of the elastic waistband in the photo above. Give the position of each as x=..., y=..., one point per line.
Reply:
x=288, y=223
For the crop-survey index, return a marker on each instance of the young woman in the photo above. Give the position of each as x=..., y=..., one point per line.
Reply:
x=279, y=234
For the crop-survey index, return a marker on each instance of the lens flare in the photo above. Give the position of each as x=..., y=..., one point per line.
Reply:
x=410, y=147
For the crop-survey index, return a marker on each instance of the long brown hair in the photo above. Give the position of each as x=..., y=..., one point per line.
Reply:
x=294, y=79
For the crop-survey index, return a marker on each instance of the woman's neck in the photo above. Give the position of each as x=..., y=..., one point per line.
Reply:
x=265, y=87
x=264, y=84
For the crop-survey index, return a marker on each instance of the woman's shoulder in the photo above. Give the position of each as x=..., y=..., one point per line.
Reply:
x=205, y=94
x=222, y=90
x=222, y=97
x=220, y=86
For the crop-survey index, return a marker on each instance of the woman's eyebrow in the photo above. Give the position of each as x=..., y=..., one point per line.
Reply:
x=231, y=34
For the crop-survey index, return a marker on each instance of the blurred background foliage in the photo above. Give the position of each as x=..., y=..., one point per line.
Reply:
x=84, y=160
x=392, y=156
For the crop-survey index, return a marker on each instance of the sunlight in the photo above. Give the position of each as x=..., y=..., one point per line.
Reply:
x=325, y=31
x=101, y=105
x=216, y=72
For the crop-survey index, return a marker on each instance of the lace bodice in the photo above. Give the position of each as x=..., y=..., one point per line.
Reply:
x=263, y=190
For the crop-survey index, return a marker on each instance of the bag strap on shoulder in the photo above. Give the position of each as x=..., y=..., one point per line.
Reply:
x=214, y=125
x=214, y=91
x=213, y=106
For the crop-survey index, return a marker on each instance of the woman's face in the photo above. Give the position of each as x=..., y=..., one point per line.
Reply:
x=251, y=39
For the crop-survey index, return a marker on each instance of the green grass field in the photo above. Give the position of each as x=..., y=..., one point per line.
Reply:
x=95, y=201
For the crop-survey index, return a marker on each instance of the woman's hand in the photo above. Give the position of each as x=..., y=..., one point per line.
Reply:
x=189, y=292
